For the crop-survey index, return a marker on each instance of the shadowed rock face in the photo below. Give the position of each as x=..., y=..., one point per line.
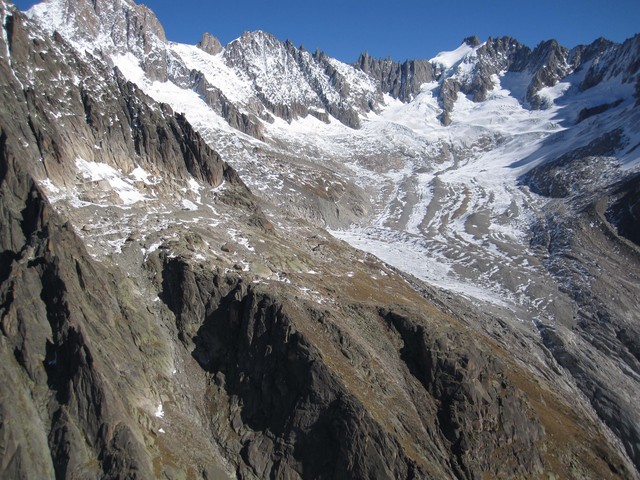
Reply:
x=624, y=212
x=69, y=326
x=604, y=332
x=300, y=417
x=117, y=123
x=296, y=415
x=613, y=60
x=59, y=313
x=590, y=238
x=495, y=56
x=278, y=403
x=548, y=63
x=243, y=122
x=581, y=170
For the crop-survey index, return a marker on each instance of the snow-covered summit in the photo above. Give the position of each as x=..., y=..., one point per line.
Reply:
x=449, y=59
x=285, y=81
x=108, y=27
x=293, y=83
x=258, y=77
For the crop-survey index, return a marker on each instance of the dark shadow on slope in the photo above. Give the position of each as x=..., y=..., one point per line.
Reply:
x=624, y=212
x=295, y=414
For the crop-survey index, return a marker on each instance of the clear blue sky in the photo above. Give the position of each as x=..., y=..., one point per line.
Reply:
x=401, y=30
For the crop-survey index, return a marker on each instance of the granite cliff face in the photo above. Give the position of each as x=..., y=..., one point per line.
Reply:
x=293, y=83
x=111, y=27
x=400, y=80
x=159, y=319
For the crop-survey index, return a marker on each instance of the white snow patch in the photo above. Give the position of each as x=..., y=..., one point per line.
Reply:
x=449, y=59
x=239, y=239
x=233, y=84
x=204, y=119
x=550, y=94
x=49, y=186
x=117, y=244
x=94, y=172
x=189, y=205
x=147, y=251
x=194, y=186
x=141, y=175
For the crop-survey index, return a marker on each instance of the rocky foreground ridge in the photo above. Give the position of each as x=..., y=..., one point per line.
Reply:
x=161, y=320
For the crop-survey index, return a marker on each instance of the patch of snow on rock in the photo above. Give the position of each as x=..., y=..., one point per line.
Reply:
x=94, y=172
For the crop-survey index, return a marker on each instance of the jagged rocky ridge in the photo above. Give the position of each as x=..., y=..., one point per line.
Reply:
x=297, y=83
x=124, y=27
x=108, y=27
x=544, y=66
x=400, y=80
x=202, y=372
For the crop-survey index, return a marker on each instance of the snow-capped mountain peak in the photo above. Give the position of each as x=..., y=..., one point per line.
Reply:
x=292, y=83
x=108, y=27
x=465, y=52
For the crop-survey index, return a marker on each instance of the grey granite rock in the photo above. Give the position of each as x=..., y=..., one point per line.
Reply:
x=400, y=80
x=115, y=27
x=592, y=251
x=210, y=44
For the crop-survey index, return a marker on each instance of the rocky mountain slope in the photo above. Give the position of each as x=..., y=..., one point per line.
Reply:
x=172, y=305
